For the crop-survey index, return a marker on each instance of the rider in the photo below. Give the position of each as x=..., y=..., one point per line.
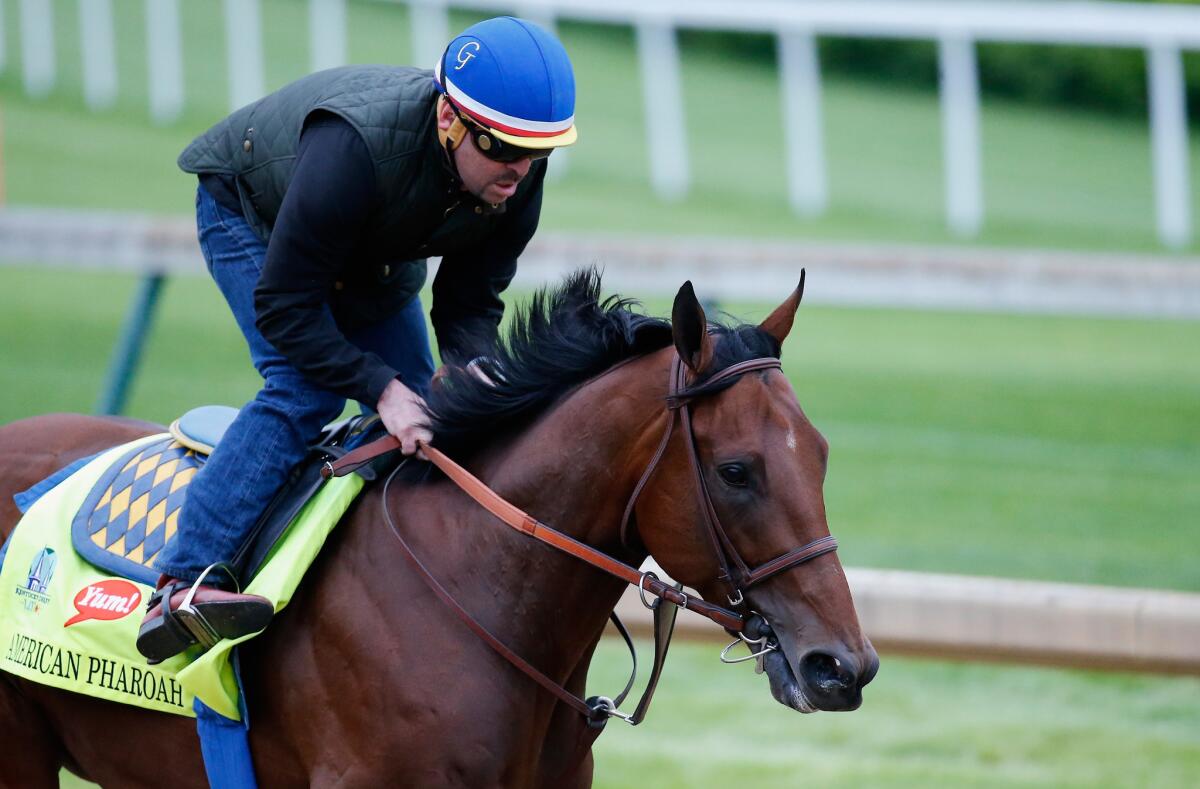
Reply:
x=316, y=209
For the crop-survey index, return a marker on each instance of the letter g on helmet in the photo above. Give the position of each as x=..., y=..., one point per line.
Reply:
x=514, y=78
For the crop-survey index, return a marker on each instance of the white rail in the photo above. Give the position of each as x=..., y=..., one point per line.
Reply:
x=99, y=53
x=1162, y=31
x=1000, y=280
x=976, y=618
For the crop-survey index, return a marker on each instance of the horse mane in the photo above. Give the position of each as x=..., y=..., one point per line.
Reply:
x=560, y=339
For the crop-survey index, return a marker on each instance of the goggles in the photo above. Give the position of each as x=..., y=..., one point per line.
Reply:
x=492, y=147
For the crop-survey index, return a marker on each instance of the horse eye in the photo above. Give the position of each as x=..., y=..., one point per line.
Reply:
x=734, y=474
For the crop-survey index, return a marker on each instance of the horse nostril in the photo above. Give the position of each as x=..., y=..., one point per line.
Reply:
x=826, y=673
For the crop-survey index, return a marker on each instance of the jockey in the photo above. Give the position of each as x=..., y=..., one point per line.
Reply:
x=316, y=209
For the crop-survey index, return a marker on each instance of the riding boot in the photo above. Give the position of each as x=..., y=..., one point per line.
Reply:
x=180, y=614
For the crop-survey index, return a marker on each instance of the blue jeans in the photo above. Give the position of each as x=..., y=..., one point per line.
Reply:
x=273, y=431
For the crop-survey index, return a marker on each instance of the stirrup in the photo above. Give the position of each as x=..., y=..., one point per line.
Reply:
x=203, y=632
x=185, y=625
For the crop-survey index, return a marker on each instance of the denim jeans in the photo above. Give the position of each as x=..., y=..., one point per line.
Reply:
x=272, y=432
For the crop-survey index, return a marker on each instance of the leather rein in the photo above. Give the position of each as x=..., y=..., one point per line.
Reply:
x=734, y=570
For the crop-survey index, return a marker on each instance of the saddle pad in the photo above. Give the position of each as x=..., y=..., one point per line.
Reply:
x=133, y=509
x=67, y=623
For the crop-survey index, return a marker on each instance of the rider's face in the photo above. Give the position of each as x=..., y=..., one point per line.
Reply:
x=490, y=181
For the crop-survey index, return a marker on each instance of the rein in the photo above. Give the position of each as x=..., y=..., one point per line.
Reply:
x=734, y=570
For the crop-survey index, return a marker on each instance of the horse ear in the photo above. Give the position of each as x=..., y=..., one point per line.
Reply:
x=779, y=322
x=690, y=329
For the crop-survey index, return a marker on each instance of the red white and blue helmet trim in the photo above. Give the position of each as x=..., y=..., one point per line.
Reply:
x=514, y=78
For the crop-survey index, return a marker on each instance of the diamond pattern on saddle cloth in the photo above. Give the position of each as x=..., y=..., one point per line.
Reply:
x=133, y=510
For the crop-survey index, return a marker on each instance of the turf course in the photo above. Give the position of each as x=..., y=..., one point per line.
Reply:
x=923, y=723
x=1051, y=178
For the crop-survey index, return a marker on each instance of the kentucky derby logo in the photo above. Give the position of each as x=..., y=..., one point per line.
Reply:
x=40, y=573
x=464, y=57
x=107, y=600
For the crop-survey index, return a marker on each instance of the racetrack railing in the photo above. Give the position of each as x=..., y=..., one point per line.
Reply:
x=850, y=274
x=979, y=618
x=1162, y=31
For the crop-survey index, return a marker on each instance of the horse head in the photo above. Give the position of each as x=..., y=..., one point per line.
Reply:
x=726, y=513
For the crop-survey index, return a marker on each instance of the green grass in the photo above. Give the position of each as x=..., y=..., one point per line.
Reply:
x=1055, y=178
x=1034, y=447
x=922, y=724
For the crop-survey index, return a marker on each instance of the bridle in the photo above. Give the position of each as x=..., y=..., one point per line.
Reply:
x=734, y=570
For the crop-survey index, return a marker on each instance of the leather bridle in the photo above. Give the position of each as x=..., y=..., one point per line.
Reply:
x=734, y=570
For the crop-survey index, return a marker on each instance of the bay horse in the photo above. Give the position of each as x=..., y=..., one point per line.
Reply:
x=365, y=680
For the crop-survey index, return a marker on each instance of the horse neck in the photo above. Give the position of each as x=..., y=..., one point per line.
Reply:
x=574, y=470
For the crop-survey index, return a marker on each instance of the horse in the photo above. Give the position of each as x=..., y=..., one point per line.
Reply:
x=364, y=680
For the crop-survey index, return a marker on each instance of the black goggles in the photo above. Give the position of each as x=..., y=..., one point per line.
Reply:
x=496, y=149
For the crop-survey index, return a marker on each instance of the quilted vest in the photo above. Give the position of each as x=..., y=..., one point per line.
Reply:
x=392, y=107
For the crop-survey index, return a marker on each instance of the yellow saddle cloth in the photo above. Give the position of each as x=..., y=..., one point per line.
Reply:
x=68, y=623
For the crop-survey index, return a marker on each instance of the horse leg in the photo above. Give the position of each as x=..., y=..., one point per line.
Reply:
x=566, y=759
x=34, y=754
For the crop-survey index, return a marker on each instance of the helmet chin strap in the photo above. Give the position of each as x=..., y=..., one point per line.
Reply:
x=450, y=138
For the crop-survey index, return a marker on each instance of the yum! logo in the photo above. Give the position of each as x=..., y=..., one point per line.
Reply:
x=111, y=599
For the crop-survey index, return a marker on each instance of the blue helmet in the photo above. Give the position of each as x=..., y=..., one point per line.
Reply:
x=513, y=78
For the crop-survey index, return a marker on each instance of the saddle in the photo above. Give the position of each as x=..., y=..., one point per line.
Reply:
x=133, y=509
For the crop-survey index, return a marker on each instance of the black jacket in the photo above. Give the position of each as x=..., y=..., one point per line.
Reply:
x=352, y=192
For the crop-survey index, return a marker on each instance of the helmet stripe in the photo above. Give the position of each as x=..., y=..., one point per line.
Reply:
x=498, y=120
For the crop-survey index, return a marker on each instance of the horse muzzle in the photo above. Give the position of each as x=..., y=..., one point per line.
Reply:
x=827, y=679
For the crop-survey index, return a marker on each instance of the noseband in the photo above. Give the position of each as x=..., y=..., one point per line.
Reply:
x=735, y=573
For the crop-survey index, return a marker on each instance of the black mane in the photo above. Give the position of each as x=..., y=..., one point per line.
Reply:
x=563, y=337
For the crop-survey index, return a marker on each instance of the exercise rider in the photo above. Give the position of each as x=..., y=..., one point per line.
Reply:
x=316, y=209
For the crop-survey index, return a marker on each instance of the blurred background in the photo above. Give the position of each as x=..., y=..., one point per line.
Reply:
x=997, y=206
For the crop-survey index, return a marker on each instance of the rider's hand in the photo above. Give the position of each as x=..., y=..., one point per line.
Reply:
x=401, y=410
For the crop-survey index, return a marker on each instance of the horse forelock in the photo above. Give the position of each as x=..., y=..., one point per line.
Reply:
x=735, y=343
x=562, y=338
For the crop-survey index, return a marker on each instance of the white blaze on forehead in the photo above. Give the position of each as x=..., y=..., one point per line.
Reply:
x=791, y=440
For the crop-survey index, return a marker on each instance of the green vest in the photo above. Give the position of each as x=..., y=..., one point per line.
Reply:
x=392, y=107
